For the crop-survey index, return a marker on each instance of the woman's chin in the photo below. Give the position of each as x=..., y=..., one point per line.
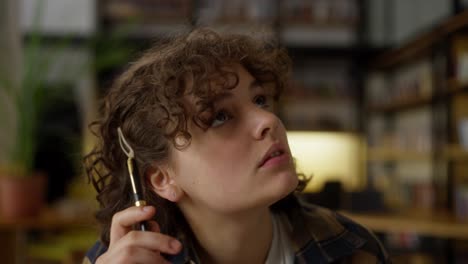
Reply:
x=286, y=184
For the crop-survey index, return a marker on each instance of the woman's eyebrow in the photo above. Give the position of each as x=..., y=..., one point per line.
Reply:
x=254, y=84
x=222, y=97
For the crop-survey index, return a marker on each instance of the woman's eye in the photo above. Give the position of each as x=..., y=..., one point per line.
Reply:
x=261, y=100
x=220, y=118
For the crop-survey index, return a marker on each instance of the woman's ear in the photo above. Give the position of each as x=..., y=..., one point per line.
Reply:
x=162, y=182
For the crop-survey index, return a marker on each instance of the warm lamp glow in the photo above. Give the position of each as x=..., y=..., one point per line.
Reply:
x=329, y=156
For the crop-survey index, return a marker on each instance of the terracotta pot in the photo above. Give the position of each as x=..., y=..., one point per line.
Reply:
x=22, y=197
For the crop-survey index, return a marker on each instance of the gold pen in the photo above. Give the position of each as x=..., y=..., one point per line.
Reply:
x=133, y=174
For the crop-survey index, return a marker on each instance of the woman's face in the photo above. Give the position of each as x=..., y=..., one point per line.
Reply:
x=242, y=161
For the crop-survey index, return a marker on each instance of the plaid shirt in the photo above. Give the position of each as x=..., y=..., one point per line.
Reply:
x=319, y=235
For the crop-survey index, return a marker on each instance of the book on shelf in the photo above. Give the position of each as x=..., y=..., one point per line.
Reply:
x=319, y=22
x=212, y=12
x=404, y=84
x=330, y=13
x=147, y=17
x=377, y=90
x=459, y=111
x=410, y=132
x=322, y=78
x=462, y=128
x=316, y=115
x=407, y=184
x=461, y=201
x=321, y=97
x=460, y=58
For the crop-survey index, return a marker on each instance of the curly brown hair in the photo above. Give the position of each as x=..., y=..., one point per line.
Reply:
x=147, y=102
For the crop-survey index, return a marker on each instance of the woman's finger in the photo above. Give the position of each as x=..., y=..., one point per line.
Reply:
x=156, y=242
x=123, y=221
x=131, y=255
x=153, y=226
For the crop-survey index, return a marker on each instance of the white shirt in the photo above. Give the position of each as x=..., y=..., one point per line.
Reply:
x=281, y=251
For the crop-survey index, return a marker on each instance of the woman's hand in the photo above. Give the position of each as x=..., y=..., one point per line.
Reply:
x=131, y=246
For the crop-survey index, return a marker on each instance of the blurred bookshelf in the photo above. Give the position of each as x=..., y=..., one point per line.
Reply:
x=435, y=224
x=323, y=38
x=332, y=23
x=416, y=102
x=50, y=219
x=410, y=103
x=54, y=236
x=144, y=19
x=450, y=152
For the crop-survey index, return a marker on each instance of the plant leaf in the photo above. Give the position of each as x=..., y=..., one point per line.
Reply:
x=26, y=121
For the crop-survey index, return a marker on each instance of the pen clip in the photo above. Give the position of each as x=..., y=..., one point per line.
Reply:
x=124, y=145
x=130, y=162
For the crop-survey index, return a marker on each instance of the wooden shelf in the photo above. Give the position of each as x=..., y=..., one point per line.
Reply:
x=422, y=44
x=126, y=11
x=328, y=51
x=49, y=220
x=452, y=152
x=453, y=87
x=456, y=153
x=146, y=31
x=310, y=35
x=318, y=100
x=400, y=105
x=387, y=154
x=434, y=225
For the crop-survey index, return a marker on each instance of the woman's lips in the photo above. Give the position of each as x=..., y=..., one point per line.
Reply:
x=276, y=161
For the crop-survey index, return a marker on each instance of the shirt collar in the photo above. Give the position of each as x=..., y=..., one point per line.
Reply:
x=316, y=234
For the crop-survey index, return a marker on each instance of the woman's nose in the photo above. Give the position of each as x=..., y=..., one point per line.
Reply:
x=265, y=124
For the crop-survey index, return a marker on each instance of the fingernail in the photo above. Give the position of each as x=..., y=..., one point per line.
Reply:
x=147, y=208
x=176, y=245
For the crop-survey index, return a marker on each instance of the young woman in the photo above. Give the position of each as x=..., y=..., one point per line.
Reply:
x=219, y=178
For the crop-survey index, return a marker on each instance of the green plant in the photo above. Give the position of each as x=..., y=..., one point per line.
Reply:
x=26, y=97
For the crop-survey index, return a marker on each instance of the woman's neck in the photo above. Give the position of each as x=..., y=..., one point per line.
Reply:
x=236, y=238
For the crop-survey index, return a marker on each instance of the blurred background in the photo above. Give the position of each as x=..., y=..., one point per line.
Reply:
x=377, y=111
